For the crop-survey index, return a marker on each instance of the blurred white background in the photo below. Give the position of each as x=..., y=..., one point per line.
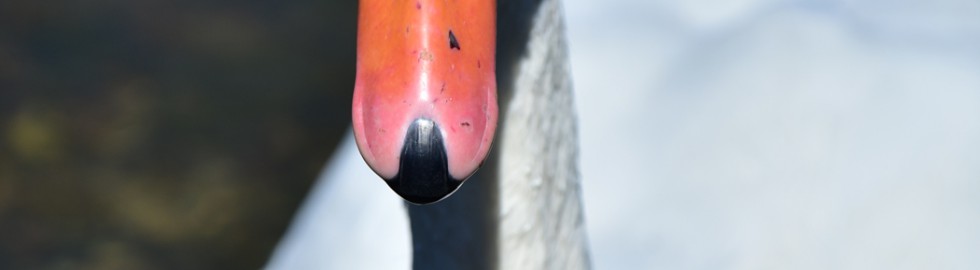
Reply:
x=749, y=135
x=779, y=134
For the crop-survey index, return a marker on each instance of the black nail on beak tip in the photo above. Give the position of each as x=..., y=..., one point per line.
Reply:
x=423, y=173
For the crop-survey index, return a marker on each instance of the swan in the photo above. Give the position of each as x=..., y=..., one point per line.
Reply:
x=522, y=210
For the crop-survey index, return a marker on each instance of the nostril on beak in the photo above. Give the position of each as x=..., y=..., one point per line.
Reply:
x=423, y=171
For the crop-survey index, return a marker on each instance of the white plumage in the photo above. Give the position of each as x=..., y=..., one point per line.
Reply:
x=766, y=135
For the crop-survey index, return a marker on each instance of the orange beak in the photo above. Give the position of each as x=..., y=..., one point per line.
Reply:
x=425, y=99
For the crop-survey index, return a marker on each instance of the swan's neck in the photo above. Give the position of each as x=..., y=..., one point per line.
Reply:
x=541, y=220
x=523, y=209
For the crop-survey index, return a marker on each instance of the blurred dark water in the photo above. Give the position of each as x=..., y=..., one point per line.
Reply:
x=175, y=134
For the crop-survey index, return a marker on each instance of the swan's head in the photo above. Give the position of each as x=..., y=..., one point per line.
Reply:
x=425, y=101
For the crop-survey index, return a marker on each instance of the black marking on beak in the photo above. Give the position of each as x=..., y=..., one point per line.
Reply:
x=423, y=172
x=453, y=43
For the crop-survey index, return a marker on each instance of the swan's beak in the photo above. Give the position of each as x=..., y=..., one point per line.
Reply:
x=425, y=101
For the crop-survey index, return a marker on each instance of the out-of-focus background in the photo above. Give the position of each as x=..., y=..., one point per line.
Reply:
x=164, y=134
x=767, y=134
x=755, y=134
